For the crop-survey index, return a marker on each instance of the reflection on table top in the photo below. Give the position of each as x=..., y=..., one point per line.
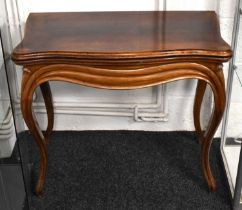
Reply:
x=123, y=34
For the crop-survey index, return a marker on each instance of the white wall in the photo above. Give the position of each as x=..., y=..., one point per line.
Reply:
x=180, y=95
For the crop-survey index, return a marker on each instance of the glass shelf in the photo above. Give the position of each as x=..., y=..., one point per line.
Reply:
x=5, y=106
x=12, y=188
x=233, y=138
x=232, y=123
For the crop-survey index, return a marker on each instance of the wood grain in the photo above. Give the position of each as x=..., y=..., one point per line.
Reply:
x=121, y=35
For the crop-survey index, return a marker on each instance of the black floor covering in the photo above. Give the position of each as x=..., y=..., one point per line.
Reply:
x=127, y=170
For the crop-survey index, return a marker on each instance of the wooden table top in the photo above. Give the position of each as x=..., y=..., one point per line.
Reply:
x=121, y=35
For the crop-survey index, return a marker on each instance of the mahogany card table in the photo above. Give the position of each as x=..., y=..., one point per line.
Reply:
x=120, y=51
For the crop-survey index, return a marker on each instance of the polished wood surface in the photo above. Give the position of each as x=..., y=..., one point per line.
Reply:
x=110, y=35
x=122, y=50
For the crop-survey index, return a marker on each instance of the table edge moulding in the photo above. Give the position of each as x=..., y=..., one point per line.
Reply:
x=122, y=50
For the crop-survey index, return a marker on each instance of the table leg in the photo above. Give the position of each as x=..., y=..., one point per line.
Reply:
x=215, y=119
x=46, y=92
x=27, y=92
x=212, y=76
x=201, y=87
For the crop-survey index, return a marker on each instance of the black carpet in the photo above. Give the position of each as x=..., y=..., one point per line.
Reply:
x=126, y=170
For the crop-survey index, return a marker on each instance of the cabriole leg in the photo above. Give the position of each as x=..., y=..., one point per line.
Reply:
x=201, y=87
x=46, y=92
x=26, y=106
x=215, y=119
